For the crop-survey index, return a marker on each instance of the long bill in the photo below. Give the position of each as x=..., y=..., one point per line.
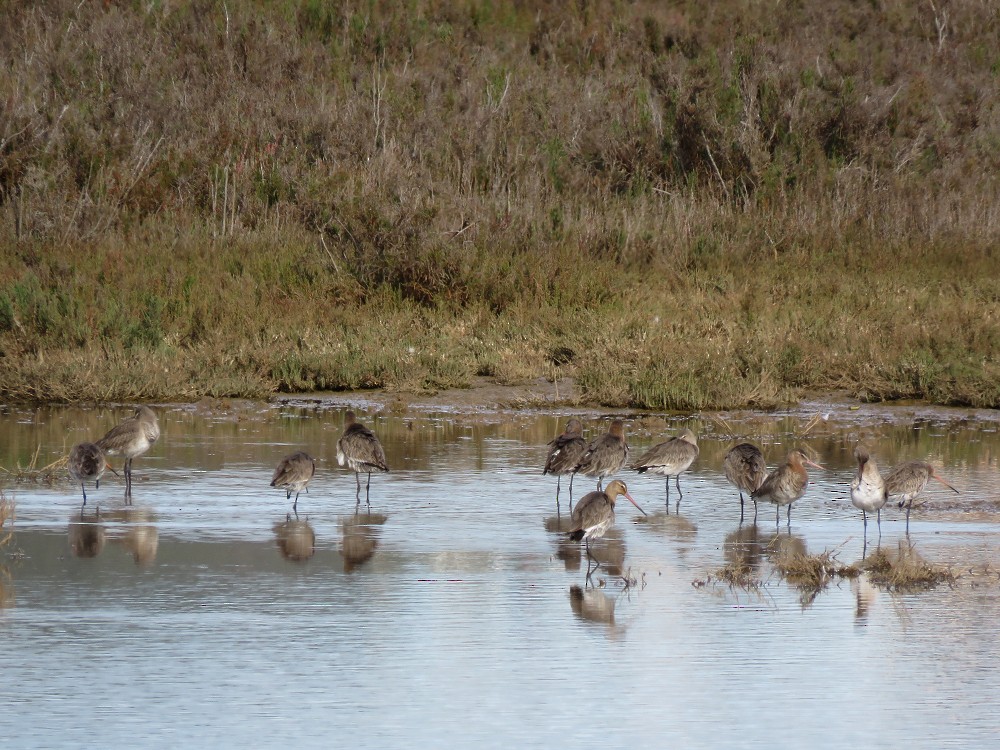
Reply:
x=813, y=464
x=945, y=483
x=629, y=497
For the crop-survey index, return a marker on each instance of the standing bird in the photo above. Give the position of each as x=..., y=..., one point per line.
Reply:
x=565, y=453
x=745, y=468
x=908, y=480
x=786, y=484
x=669, y=459
x=361, y=451
x=605, y=455
x=133, y=437
x=293, y=473
x=86, y=461
x=868, y=491
x=595, y=513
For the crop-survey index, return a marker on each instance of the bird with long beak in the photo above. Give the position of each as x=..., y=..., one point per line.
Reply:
x=87, y=461
x=908, y=480
x=595, y=513
x=786, y=484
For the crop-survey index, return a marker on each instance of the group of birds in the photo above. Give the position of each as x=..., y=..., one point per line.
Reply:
x=569, y=454
x=744, y=467
x=358, y=448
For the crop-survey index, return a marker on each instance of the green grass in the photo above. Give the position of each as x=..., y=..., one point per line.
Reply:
x=682, y=209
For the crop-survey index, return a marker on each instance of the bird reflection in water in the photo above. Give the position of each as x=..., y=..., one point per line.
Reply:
x=296, y=539
x=608, y=552
x=359, y=538
x=595, y=606
x=743, y=549
x=864, y=593
x=675, y=526
x=87, y=535
x=138, y=535
x=566, y=549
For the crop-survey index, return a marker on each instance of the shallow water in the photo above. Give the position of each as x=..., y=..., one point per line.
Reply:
x=452, y=612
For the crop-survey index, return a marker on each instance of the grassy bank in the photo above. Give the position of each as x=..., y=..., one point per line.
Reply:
x=683, y=207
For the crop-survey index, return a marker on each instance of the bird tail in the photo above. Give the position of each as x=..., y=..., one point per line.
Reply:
x=640, y=469
x=577, y=535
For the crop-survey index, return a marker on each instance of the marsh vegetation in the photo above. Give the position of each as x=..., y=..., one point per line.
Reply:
x=682, y=207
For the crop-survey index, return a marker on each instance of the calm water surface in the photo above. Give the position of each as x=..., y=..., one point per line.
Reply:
x=452, y=613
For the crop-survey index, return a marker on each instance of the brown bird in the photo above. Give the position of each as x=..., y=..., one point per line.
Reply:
x=908, y=480
x=745, y=468
x=669, y=459
x=86, y=461
x=595, y=513
x=786, y=484
x=133, y=437
x=605, y=455
x=565, y=453
x=868, y=491
x=360, y=450
x=293, y=474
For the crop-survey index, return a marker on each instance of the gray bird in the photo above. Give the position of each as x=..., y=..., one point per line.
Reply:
x=360, y=450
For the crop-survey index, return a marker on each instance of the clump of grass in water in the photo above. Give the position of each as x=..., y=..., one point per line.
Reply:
x=907, y=570
x=810, y=574
x=738, y=574
x=33, y=473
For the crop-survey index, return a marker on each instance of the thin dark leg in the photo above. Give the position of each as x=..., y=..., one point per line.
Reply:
x=777, y=516
x=908, y=517
x=128, y=482
x=878, y=517
x=357, y=494
x=84, y=493
x=600, y=483
x=754, y=512
x=741, y=508
x=789, y=514
x=668, y=494
x=680, y=494
x=864, y=517
x=571, y=478
x=368, y=487
x=295, y=506
x=558, y=481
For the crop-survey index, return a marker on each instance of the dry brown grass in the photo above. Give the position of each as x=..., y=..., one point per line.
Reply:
x=32, y=472
x=685, y=207
x=905, y=570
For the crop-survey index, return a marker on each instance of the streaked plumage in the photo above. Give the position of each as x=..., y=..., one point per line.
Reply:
x=868, y=492
x=360, y=450
x=606, y=455
x=745, y=468
x=131, y=438
x=786, y=484
x=293, y=474
x=908, y=480
x=565, y=453
x=670, y=458
x=86, y=462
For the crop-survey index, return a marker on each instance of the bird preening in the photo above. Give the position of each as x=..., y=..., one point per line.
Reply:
x=131, y=438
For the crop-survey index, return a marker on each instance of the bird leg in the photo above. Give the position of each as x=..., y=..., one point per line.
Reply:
x=295, y=506
x=741, y=508
x=357, y=494
x=789, y=514
x=128, y=481
x=571, y=478
x=878, y=517
x=368, y=500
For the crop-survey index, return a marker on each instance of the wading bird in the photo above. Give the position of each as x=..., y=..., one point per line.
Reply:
x=908, y=480
x=595, y=514
x=360, y=450
x=565, y=453
x=605, y=455
x=786, y=484
x=293, y=474
x=86, y=461
x=868, y=490
x=669, y=459
x=745, y=468
x=132, y=437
